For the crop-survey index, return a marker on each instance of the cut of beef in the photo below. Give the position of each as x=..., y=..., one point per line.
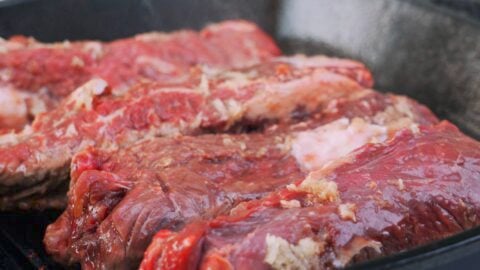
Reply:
x=35, y=76
x=36, y=160
x=383, y=198
x=119, y=199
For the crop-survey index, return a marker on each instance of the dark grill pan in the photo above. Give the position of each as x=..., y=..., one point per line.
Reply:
x=427, y=49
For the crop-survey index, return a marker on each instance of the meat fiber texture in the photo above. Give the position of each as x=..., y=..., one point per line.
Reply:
x=119, y=199
x=34, y=163
x=383, y=198
x=35, y=76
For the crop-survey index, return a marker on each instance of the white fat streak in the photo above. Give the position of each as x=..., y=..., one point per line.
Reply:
x=281, y=254
x=400, y=184
x=9, y=138
x=12, y=103
x=234, y=26
x=83, y=96
x=235, y=80
x=220, y=108
x=203, y=86
x=235, y=110
x=315, y=149
x=158, y=64
x=229, y=110
x=154, y=36
x=277, y=100
x=302, y=61
x=14, y=138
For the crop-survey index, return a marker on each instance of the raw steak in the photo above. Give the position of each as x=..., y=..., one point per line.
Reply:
x=35, y=76
x=35, y=161
x=119, y=199
x=384, y=198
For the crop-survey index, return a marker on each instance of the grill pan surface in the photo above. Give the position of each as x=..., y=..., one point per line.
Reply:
x=429, y=50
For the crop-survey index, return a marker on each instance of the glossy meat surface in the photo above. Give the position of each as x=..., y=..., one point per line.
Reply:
x=384, y=198
x=35, y=161
x=119, y=199
x=36, y=75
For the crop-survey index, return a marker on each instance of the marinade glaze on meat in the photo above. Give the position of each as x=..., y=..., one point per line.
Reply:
x=119, y=199
x=383, y=198
x=35, y=76
x=35, y=161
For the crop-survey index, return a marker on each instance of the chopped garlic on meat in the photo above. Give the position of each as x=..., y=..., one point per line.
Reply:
x=220, y=107
x=400, y=184
x=282, y=255
x=347, y=211
x=37, y=105
x=290, y=204
x=77, y=62
x=94, y=48
x=71, y=130
x=83, y=96
x=203, y=86
x=322, y=189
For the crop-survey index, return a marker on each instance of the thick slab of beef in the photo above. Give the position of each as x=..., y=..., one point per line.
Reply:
x=36, y=160
x=385, y=198
x=119, y=199
x=35, y=76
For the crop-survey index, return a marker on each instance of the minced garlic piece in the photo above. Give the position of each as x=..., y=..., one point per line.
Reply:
x=347, y=211
x=322, y=189
x=283, y=255
x=290, y=204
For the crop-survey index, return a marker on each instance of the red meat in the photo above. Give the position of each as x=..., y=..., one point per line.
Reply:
x=119, y=199
x=36, y=161
x=382, y=199
x=35, y=76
